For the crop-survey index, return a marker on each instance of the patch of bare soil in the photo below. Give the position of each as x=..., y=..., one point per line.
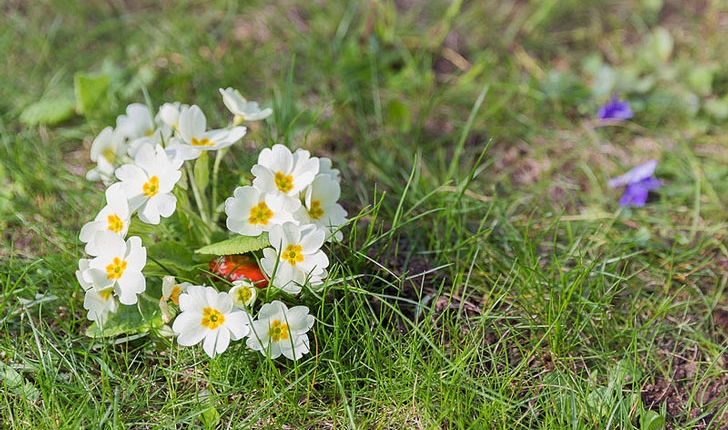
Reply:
x=689, y=397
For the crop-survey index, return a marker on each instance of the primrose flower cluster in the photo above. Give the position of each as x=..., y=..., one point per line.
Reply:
x=290, y=207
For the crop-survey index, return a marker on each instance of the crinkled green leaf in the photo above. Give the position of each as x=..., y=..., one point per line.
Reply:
x=236, y=245
x=48, y=111
x=18, y=385
x=170, y=256
x=210, y=417
x=599, y=400
x=89, y=89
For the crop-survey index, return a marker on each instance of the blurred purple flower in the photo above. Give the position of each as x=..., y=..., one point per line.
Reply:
x=639, y=181
x=615, y=109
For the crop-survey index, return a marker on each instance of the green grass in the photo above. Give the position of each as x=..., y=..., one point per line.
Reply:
x=488, y=278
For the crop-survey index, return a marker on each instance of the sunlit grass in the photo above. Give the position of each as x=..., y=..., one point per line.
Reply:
x=488, y=278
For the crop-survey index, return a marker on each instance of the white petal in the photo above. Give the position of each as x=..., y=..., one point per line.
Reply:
x=237, y=323
x=296, y=349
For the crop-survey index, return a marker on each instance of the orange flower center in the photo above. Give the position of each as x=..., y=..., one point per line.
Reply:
x=260, y=214
x=202, y=142
x=174, y=295
x=315, y=211
x=115, y=223
x=212, y=318
x=284, y=182
x=278, y=331
x=116, y=269
x=293, y=254
x=151, y=188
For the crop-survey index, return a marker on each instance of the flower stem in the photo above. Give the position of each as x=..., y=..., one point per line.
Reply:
x=215, y=170
x=199, y=198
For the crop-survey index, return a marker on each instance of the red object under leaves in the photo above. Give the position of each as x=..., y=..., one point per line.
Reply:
x=235, y=267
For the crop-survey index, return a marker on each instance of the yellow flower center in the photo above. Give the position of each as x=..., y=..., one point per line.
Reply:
x=278, y=331
x=260, y=214
x=115, y=223
x=106, y=294
x=202, y=142
x=293, y=254
x=109, y=154
x=284, y=182
x=174, y=295
x=116, y=269
x=315, y=211
x=212, y=318
x=151, y=188
x=244, y=295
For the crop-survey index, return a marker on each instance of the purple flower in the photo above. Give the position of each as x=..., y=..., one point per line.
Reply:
x=639, y=181
x=615, y=109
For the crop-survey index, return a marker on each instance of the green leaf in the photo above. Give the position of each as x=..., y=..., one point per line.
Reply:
x=170, y=256
x=700, y=79
x=236, y=245
x=604, y=81
x=48, y=111
x=131, y=319
x=717, y=108
x=89, y=89
x=399, y=115
x=16, y=384
x=126, y=320
x=202, y=172
x=210, y=417
x=600, y=400
x=662, y=44
x=651, y=420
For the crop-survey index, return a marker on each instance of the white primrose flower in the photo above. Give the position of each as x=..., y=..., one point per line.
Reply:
x=208, y=315
x=139, y=128
x=115, y=217
x=321, y=207
x=108, y=151
x=148, y=183
x=281, y=172
x=98, y=302
x=118, y=265
x=279, y=330
x=161, y=136
x=325, y=168
x=243, y=293
x=296, y=257
x=169, y=114
x=243, y=109
x=195, y=138
x=171, y=291
x=251, y=212
x=136, y=123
